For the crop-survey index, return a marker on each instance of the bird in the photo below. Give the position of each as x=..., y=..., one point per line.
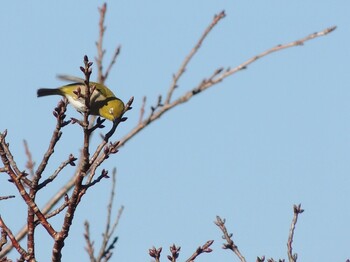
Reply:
x=102, y=102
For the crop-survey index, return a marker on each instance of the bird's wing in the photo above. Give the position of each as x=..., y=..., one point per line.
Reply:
x=70, y=78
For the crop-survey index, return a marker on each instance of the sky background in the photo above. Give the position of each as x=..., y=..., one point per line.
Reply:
x=271, y=136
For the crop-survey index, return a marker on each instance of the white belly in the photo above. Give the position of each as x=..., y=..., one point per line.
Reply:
x=78, y=104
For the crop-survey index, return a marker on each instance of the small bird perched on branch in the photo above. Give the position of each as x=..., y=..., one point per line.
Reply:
x=102, y=102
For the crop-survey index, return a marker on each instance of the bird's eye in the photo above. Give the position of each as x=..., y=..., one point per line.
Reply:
x=111, y=110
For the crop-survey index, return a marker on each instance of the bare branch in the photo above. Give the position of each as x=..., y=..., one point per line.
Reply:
x=104, y=174
x=6, y=197
x=297, y=210
x=113, y=60
x=20, y=175
x=194, y=50
x=69, y=161
x=99, y=43
x=214, y=80
x=90, y=244
x=16, y=178
x=228, y=237
x=3, y=239
x=109, y=231
x=14, y=241
x=59, y=209
x=102, y=76
x=203, y=249
x=218, y=76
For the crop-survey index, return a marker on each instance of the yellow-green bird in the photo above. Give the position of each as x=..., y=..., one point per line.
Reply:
x=102, y=103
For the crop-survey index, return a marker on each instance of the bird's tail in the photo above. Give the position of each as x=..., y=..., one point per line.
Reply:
x=48, y=92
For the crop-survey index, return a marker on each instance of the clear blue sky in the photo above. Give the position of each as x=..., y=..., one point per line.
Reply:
x=274, y=135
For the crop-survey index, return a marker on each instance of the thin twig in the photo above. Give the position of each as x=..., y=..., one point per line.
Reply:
x=297, y=210
x=194, y=50
x=89, y=244
x=205, y=84
x=116, y=221
x=60, y=115
x=106, y=234
x=59, y=209
x=19, y=175
x=104, y=174
x=228, y=237
x=6, y=197
x=277, y=48
x=112, y=62
x=110, y=247
x=30, y=163
x=99, y=44
x=203, y=249
x=102, y=76
x=69, y=161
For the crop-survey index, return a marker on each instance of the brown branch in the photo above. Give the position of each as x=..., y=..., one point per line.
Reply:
x=228, y=237
x=6, y=197
x=69, y=161
x=3, y=239
x=112, y=62
x=90, y=244
x=108, y=150
x=21, y=175
x=109, y=231
x=104, y=174
x=16, y=179
x=212, y=81
x=82, y=170
x=203, y=249
x=14, y=241
x=59, y=113
x=102, y=76
x=107, y=250
x=219, y=75
x=45, y=210
x=60, y=209
x=116, y=221
x=188, y=58
x=55, y=212
x=99, y=44
x=297, y=210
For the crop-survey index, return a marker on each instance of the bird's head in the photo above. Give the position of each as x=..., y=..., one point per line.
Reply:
x=111, y=109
